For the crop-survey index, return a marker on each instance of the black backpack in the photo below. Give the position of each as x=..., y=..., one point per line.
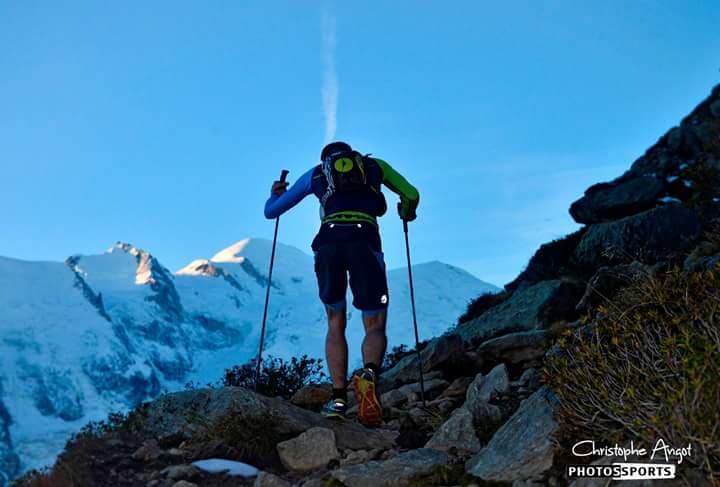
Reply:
x=344, y=172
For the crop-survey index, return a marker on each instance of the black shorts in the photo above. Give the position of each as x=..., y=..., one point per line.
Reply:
x=354, y=249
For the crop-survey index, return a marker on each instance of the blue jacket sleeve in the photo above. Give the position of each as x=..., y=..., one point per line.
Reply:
x=277, y=205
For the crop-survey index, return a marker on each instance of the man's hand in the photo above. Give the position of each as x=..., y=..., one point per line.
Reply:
x=279, y=187
x=406, y=210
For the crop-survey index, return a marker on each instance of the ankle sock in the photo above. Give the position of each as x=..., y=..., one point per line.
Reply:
x=339, y=394
x=374, y=368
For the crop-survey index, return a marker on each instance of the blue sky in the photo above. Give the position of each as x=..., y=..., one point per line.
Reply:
x=164, y=123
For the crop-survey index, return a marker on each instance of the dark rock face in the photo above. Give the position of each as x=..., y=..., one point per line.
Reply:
x=522, y=448
x=605, y=283
x=524, y=311
x=435, y=354
x=54, y=393
x=649, y=237
x=609, y=201
x=515, y=348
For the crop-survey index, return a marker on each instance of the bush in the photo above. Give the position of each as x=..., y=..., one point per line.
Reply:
x=646, y=367
x=551, y=261
x=278, y=377
x=479, y=305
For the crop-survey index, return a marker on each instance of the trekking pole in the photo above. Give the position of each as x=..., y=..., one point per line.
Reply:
x=283, y=176
x=412, y=300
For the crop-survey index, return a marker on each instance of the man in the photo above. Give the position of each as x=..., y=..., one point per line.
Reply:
x=348, y=186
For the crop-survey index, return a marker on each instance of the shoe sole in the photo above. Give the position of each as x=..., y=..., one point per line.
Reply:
x=369, y=409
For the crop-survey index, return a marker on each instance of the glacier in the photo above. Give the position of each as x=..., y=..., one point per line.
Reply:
x=103, y=333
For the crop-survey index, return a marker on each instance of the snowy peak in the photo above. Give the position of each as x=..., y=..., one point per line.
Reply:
x=199, y=267
x=232, y=254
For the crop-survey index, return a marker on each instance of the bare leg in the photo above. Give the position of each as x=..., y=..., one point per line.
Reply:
x=375, y=342
x=336, y=348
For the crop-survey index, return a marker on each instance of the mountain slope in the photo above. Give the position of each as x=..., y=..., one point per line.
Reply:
x=104, y=332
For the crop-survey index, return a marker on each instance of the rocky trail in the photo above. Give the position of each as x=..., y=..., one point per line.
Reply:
x=490, y=418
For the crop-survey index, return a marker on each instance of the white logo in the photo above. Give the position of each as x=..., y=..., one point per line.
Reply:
x=383, y=299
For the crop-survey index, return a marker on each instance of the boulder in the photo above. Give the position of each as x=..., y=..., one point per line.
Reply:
x=648, y=237
x=397, y=471
x=397, y=396
x=485, y=388
x=458, y=433
x=457, y=388
x=436, y=353
x=621, y=198
x=171, y=416
x=312, y=396
x=265, y=479
x=522, y=448
x=309, y=451
x=529, y=308
x=148, y=452
x=515, y=348
x=179, y=472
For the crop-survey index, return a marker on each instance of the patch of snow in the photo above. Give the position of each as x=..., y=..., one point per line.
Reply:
x=230, y=467
x=669, y=199
x=671, y=179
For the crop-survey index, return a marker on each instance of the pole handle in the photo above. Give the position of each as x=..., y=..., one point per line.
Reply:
x=283, y=175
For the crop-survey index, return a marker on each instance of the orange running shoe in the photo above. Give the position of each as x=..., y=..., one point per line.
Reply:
x=370, y=410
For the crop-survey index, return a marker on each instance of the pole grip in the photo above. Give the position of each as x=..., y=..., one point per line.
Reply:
x=283, y=175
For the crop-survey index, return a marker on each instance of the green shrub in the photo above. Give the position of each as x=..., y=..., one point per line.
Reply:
x=646, y=366
x=479, y=305
x=278, y=377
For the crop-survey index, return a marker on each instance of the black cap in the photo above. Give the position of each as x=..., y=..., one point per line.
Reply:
x=334, y=148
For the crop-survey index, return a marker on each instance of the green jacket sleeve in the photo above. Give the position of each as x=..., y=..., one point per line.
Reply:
x=409, y=195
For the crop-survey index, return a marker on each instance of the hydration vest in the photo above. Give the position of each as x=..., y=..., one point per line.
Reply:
x=349, y=182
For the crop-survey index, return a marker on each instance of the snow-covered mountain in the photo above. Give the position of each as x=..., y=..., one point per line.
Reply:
x=104, y=332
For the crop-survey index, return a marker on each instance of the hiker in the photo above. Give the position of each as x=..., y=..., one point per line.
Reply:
x=348, y=186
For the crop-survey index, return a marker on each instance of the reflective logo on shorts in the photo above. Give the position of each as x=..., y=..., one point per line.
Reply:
x=383, y=299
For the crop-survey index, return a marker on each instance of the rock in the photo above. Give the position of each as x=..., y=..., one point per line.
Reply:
x=528, y=308
x=488, y=387
x=265, y=479
x=457, y=388
x=623, y=197
x=529, y=378
x=522, y=448
x=397, y=396
x=178, y=472
x=435, y=354
x=397, y=471
x=649, y=237
x=312, y=396
x=184, y=483
x=443, y=406
x=355, y=457
x=457, y=432
x=149, y=451
x=309, y=451
x=515, y=348
x=168, y=416
x=607, y=281
x=715, y=108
